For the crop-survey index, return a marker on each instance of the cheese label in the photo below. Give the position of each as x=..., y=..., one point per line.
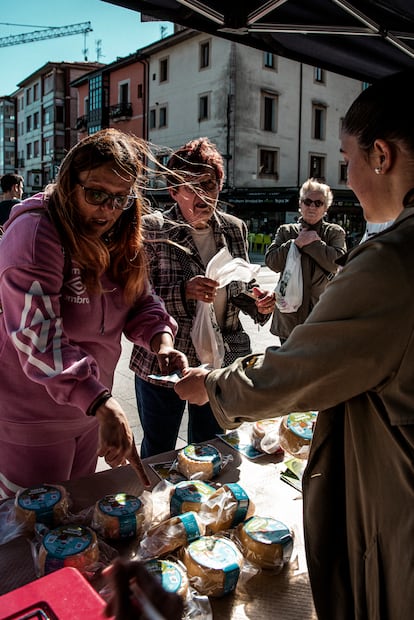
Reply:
x=124, y=507
x=168, y=573
x=188, y=519
x=302, y=423
x=217, y=554
x=194, y=492
x=205, y=453
x=65, y=541
x=42, y=501
x=242, y=500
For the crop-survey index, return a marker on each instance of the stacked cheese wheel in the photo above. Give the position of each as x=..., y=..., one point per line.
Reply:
x=296, y=432
x=119, y=516
x=47, y=504
x=69, y=545
x=213, y=565
x=266, y=542
x=199, y=461
x=189, y=495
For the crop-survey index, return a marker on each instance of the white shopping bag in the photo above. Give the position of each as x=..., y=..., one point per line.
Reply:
x=289, y=289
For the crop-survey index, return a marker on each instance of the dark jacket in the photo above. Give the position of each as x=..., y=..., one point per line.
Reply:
x=358, y=487
x=318, y=261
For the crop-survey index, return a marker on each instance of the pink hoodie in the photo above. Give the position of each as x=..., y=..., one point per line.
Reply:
x=59, y=346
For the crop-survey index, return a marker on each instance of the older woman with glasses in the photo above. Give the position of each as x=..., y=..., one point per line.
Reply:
x=73, y=279
x=320, y=244
x=181, y=242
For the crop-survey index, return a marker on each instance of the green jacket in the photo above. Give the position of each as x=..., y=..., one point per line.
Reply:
x=353, y=361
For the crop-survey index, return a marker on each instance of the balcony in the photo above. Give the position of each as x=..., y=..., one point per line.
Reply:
x=120, y=111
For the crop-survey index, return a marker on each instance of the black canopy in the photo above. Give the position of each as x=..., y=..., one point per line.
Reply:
x=364, y=40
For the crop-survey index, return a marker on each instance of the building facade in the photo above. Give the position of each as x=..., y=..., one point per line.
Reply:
x=7, y=135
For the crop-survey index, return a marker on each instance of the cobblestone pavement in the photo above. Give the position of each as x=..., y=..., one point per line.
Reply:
x=124, y=390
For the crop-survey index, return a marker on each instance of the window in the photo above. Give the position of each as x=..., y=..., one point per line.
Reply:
x=47, y=146
x=36, y=150
x=269, y=111
x=139, y=91
x=28, y=96
x=269, y=60
x=319, y=75
x=36, y=117
x=268, y=160
x=48, y=83
x=343, y=173
x=35, y=92
x=203, y=108
x=59, y=114
x=95, y=93
x=204, y=54
x=123, y=93
x=164, y=70
x=48, y=115
x=163, y=117
x=28, y=123
x=317, y=167
x=29, y=150
x=318, y=121
x=152, y=119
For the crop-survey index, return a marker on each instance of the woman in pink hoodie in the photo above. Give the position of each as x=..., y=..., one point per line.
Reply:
x=73, y=279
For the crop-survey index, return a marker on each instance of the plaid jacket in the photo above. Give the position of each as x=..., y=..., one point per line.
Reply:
x=174, y=259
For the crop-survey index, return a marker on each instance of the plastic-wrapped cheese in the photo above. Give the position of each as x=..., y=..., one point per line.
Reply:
x=266, y=542
x=119, y=516
x=199, y=461
x=47, y=504
x=213, y=565
x=226, y=507
x=171, y=534
x=296, y=432
x=69, y=545
x=189, y=495
x=265, y=435
x=172, y=575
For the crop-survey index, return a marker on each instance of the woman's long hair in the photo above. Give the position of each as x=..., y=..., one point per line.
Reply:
x=120, y=252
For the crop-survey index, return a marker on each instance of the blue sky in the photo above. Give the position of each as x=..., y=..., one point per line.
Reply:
x=120, y=32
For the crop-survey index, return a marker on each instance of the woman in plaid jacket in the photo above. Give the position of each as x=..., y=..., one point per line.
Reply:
x=180, y=243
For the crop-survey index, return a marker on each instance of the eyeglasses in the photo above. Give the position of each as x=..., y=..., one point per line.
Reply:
x=98, y=198
x=308, y=202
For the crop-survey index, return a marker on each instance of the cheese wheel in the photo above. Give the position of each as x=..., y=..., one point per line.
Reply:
x=47, y=504
x=171, y=575
x=265, y=435
x=199, y=461
x=265, y=541
x=171, y=534
x=213, y=565
x=296, y=432
x=189, y=495
x=69, y=545
x=119, y=516
x=226, y=507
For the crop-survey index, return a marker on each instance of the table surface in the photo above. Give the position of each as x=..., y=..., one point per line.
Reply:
x=285, y=596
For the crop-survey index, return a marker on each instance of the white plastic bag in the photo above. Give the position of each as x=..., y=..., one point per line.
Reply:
x=205, y=332
x=289, y=289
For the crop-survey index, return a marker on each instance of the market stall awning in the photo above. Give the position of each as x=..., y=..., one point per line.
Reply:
x=361, y=39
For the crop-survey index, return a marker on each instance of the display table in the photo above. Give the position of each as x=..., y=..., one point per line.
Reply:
x=266, y=596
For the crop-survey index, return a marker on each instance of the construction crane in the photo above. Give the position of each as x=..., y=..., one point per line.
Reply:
x=48, y=33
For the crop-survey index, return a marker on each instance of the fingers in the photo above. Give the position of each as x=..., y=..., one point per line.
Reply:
x=137, y=466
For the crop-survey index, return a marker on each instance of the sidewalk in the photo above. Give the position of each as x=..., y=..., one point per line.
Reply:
x=124, y=390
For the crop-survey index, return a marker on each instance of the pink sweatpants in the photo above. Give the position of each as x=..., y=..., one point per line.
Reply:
x=28, y=466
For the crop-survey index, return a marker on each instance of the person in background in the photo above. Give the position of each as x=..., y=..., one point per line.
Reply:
x=73, y=279
x=320, y=244
x=180, y=243
x=12, y=187
x=349, y=364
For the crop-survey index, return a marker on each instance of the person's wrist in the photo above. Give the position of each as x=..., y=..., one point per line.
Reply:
x=100, y=400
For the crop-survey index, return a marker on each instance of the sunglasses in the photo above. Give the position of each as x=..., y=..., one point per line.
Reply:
x=98, y=198
x=308, y=202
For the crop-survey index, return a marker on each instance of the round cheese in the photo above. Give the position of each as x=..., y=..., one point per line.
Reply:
x=265, y=435
x=226, y=507
x=171, y=575
x=213, y=565
x=296, y=432
x=266, y=542
x=189, y=495
x=171, y=534
x=69, y=545
x=47, y=504
x=119, y=516
x=199, y=461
